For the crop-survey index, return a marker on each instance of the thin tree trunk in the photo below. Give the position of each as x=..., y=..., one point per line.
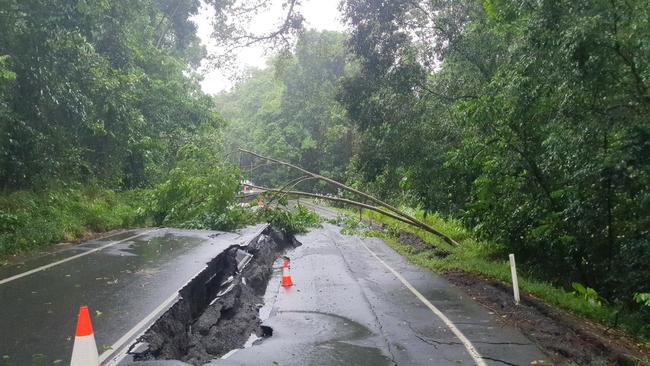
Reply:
x=407, y=217
x=166, y=27
x=338, y=199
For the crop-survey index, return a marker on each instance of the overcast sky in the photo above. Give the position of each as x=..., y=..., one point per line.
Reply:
x=319, y=14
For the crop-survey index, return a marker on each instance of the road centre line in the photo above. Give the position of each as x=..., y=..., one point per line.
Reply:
x=478, y=359
x=53, y=264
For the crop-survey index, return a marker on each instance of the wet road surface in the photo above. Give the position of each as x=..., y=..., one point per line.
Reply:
x=349, y=308
x=122, y=278
x=355, y=302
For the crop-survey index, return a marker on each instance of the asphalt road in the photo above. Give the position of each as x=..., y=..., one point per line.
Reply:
x=358, y=302
x=125, y=280
x=355, y=302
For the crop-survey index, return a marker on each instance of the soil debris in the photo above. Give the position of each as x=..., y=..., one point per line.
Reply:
x=418, y=245
x=566, y=338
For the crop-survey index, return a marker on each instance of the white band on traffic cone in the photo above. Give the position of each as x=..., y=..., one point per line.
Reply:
x=84, y=351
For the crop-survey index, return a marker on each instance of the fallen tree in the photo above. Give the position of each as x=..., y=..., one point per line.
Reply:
x=390, y=211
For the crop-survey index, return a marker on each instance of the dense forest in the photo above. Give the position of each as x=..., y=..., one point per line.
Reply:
x=96, y=91
x=98, y=100
x=527, y=121
x=534, y=127
x=289, y=110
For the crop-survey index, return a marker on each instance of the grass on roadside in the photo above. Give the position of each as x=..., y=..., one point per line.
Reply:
x=490, y=260
x=30, y=220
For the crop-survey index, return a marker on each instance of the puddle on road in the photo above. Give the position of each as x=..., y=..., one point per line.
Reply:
x=321, y=327
x=331, y=339
x=155, y=248
x=342, y=353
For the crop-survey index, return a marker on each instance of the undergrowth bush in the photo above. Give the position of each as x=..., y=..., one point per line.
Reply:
x=29, y=220
x=231, y=218
x=198, y=193
x=296, y=221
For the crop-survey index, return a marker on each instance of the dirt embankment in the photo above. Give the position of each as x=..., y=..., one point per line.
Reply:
x=219, y=309
x=567, y=339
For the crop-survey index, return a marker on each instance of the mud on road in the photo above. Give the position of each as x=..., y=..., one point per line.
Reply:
x=218, y=310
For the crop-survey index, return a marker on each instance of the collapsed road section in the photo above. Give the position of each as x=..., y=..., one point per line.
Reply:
x=218, y=310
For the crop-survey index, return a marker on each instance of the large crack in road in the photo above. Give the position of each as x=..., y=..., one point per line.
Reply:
x=346, y=307
x=218, y=310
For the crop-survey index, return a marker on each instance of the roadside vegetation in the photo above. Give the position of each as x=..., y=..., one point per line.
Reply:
x=103, y=124
x=30, y=220
x=295, y=220
x=199, y=193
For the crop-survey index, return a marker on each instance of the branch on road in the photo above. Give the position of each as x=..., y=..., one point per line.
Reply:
x=404, y=217
x=335, y=199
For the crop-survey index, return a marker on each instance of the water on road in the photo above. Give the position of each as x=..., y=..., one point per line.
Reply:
x=348, y=308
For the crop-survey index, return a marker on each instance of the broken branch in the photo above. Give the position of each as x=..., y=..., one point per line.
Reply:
x=336, y=199
x=412, y=220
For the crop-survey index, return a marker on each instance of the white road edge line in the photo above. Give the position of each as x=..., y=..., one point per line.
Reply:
x=53, y=264
x=478, y=359
x=466, y=342
x=116, y=349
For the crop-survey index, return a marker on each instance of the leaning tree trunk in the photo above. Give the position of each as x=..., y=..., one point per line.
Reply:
x=404, y=217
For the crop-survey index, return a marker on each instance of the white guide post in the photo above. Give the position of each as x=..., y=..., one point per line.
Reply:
x=515, y=283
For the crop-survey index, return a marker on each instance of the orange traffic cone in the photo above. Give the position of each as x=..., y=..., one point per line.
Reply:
x=84, y=351
x=286, y=277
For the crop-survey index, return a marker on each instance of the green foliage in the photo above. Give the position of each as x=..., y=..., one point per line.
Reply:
x=349, y=224
x=587, y=293
x=289, y=111
x=86, y=98
x=291, y=221
x=30, y=220
x=198, y=192
x=642, y=298
x=232, y=218
x=525, y=120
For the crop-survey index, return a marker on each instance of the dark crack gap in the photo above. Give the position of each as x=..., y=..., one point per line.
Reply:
x=501, y=361
x=218, y=310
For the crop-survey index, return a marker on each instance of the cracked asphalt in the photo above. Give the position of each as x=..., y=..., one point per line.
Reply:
x=123, y=278
x=347, y=308
x=353, y=302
